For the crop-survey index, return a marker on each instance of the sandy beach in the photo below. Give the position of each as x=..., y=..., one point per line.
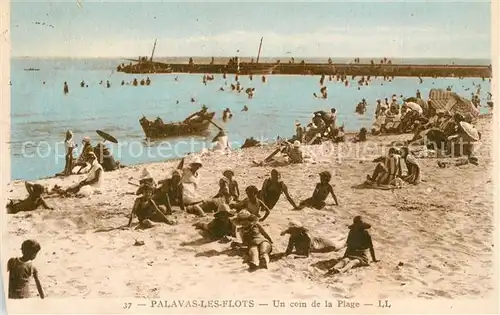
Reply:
x=434, y=240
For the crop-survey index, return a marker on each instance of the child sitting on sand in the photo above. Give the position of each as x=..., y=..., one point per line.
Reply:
x=253, y=204
x=31, y=203
x=228, y=187
x=257, y=240
x=22, y=269
x=170, y=191
x=304, y=243
x=413, y=175
x=221, y=226
x=147, y=211
x=358, y=242
x=321, y=192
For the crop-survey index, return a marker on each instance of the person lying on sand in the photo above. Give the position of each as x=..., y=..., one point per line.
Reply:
x=358, y=242
x=386, y=170
x=147, y=211
x=228, y=187
x=254, y=237
x=272, y=188
x=252, y=203
x=191, y=200
x=304, y=243
x=221, y=226
x=321, y=192
x=414, y=173
x=32, y=202
x=94, y=178
x=294, y=155
x=21, y=270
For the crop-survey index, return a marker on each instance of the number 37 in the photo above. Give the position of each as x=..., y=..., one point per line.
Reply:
x=127, y=305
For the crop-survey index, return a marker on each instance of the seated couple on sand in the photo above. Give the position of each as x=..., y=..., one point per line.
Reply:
x=388, y=172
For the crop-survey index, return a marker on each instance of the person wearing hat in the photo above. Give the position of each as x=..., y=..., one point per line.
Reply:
x=413, y=175
x=94, y=176
x=228, y=187
x=191, y=200
x=145, y=180
x=69, y=147
x=272, y=188
x=32, y=202
x=359, y=242
x=294, y=153
x=463, y=143
x=304, y=243
x=221, y=226
x=82, y=160
x=321, y=192
x=147, y=211
x=21, y=270
x=252, y=203
x=255, y=238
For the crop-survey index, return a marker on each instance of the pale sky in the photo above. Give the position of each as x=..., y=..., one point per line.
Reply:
x=337, y=29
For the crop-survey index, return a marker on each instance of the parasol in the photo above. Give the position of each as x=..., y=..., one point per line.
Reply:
x=106, y=136
x=415, y=107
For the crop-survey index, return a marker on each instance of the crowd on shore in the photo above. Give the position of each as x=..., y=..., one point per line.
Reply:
x=237, y=219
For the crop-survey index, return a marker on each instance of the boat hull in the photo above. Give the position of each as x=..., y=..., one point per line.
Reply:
x=158, y=130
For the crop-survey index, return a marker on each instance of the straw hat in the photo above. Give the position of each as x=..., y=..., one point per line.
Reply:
x=294, y=224
x=358, y=222
x=145, y=175
x=470, y=130
x=245, y=216
x=223, y=211
x=86, y=139
x=195, y=161
x=296, y=144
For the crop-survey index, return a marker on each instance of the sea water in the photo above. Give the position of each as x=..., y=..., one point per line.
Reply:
x=41, y=113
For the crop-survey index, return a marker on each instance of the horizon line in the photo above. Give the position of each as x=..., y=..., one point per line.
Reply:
x=249, y=57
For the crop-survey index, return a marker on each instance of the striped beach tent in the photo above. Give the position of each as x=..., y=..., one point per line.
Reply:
x=452, y=102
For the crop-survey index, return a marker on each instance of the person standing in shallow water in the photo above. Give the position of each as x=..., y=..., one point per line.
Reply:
x=21, y=270
x=66, y=88
x=359, y=242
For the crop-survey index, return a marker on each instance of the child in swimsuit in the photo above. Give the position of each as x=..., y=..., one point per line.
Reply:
x=22, y=269
x=147, y=211
x=321, y=192
x=272, y=188
x=253, y=204
x=257, y=240
x=228, y=187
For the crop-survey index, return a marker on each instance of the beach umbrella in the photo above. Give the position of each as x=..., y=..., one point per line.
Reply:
x=415, y=107
x=106, y=136
x=470, y=130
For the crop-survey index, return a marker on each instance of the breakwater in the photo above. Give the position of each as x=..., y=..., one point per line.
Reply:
x=376, y=70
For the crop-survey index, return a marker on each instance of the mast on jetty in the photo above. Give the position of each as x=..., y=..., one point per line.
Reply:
x=260, y=47
x=152, y=53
